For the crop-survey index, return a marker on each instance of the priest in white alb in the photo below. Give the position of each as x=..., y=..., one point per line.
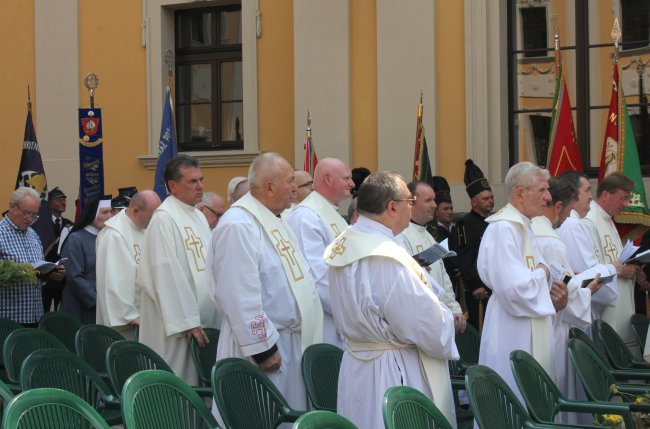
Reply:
x=316, y=221
x=396, y=331
x=261, y=282
x=174, y=301
x=523, y=301
x=119, y=251
x=577, y=312
x=415, y=239
x=612, y=196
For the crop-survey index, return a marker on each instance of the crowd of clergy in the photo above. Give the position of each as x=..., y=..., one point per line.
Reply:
x=281, y=269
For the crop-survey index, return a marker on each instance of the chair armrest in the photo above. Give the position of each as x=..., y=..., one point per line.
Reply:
x=624, y=375
x=458, y=383
x=288, y=415
x=640, y=365
x=621, y=409
x=112, y=403
x=203, y=391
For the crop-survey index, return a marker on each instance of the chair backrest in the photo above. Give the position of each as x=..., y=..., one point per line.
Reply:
x=7, y=326
x=640, y=328
x=125, y=358
x=6, y=395
x=245, y=396
x=61, y=325
x=51, y=408
x=64, y=370
x=320, y=370
x=205, y=357
x=92, y=343
x=492, y=401
x=592, y=371
x=469, y=345
x=404, y=407
x=322, y=419
x=20, y=343
x=617, y=352
x=146, y=399
x=538, y=389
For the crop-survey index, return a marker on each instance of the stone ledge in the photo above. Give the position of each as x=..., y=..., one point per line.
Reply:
x=207, y=159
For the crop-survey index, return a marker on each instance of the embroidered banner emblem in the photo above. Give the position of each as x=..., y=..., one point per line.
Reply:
x=137, y=253
x=194, y=245
x=287, y=252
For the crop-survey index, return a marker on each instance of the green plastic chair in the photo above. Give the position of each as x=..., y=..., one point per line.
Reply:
x=64, y=370
x=205, y=357
x=125, y=358
x=404, y=407
x=20, y=344
x=246, y=398
x=494, y=403
x=320, y=370
x=640, y=325
x=618, y=353
x=61, y=325
x=322, y=419
x=468, y=344
x=6, y=395
x=92, y=343
x=7, y=326
x=596, y=379
x=156, y=399
x=48, y=408
x=544, y=400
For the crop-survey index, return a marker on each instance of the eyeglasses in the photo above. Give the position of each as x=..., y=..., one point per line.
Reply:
x=216, y=213
x=307, y=185
x=410, y=201
x=34, y=216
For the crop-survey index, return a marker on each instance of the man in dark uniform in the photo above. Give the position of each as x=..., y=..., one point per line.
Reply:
x=52, y=290
x=466, y=236
x=440, y=226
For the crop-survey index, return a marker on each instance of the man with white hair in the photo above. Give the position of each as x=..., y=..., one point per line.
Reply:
x=230, y=191
x=260, y=281
x=119, y=251
x=22, y=301
x=316, y=222
x=519, y=316
x=213, y=207
x=241, y=189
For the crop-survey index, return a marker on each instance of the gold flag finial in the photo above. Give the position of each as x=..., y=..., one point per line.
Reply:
x=616, y=36
x=420, y=105
x=308, y=123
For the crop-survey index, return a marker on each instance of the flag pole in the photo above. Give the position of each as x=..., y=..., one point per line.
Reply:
x=418, y=141
x=29, y=100
x=169, y=60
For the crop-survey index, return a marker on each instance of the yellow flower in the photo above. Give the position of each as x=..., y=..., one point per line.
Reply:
x=639, y=400
x=612, y=419
x=613, y=389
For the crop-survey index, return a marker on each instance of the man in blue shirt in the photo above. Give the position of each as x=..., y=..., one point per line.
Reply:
x=22, y=302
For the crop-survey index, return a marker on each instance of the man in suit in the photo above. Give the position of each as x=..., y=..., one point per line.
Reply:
x=53, y=290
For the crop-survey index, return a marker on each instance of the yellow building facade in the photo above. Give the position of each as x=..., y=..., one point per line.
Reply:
x=357, y=65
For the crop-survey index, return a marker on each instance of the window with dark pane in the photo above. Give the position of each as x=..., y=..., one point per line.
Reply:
x=636, y=22
x=209, y=95
x=535, y=35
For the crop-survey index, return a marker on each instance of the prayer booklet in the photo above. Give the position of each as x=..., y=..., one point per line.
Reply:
x=433, y=254
x=641, y=258
x=628, y=250
x=45, y=267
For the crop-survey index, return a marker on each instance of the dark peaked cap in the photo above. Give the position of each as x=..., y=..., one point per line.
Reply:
x=475, y=181
x=441, y=187
x=55, y=193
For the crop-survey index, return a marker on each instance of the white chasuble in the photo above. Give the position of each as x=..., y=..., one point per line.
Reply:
x=415, y=239
x=396, y=330
x=119, y=250
x=316, y=223
x=171, y=277
x=619, y=312
x=521, y=303
x=296, y=271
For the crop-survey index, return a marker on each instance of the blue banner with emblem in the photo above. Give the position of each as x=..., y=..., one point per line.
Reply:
x=91, y=159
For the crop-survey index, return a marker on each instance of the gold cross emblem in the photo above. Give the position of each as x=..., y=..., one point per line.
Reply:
x=530, y=262
x=610, y=249
x=338, y=248
x=137, y=253
x=335, y=229
x=287, y=252
x=194, y=245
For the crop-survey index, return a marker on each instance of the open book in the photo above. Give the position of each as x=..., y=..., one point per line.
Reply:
x=640, y=258
x=45, y=267
x=434, y=253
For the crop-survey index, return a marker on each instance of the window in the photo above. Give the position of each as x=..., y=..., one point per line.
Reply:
x=586, y=49
x=209, y=95
x=533, y=25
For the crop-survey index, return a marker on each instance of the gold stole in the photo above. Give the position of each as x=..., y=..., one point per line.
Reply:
x=540, y=326
x=297, y=273
x=352, y=246
x=326, y=211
